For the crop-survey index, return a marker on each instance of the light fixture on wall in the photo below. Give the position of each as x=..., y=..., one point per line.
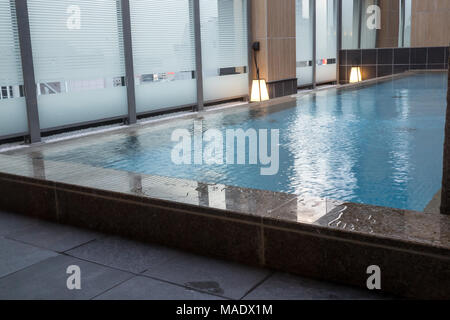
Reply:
x=355, y=75
x=259, y=91
x=259, y=87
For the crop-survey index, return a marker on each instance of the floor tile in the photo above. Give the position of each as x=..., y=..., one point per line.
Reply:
x=142, y=288
x=210, y=275
x=10, y=222
x=54, y=236
x=288, y=287
x=48, y=280
x=15, y=256
x=122, y=254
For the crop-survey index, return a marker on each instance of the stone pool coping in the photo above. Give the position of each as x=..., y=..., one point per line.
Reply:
x=318, y=238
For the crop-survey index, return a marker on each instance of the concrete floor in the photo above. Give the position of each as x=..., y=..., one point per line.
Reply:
x=34, y=256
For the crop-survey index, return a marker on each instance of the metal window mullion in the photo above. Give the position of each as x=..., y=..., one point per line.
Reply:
x=129, y=64
x=377, y=32
x=360, y=24
x=314, y=84
x=339, y=39
x=249, y=49
x=403, y=17
x=29, y=81
x=198, y=55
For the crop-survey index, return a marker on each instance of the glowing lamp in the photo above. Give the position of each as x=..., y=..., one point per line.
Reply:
x=259, y=91
x=355, y=75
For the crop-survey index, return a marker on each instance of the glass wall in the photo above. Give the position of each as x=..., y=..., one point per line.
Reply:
x=355, y=18
x=405, y=23
x=78, y=59
x=163, y=53
x=13, y=115
x=350, y=23
x=224, y=48
x=362, y=28
x=326, y=38
x=304, y=32
x=368, y=38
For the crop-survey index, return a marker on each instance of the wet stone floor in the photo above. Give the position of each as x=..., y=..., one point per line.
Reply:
x=35, y=255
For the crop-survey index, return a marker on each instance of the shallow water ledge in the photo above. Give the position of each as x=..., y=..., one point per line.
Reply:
x=317, y=238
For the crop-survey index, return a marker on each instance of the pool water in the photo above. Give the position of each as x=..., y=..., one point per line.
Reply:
x=381, y=145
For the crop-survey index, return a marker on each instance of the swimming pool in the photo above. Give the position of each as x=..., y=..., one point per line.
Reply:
x=380, y=145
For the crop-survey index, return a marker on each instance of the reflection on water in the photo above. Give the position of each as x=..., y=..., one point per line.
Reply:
x=378, y=145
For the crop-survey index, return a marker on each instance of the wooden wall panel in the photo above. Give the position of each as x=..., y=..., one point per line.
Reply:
x=282, y=59
x=259, y=19
x=274, y=27
x=388, y=35
x=281, y=18
x=430, y=23
x=259, y=33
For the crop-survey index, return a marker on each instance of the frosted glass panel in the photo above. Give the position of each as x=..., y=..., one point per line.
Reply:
x=164, y=53
x=304, y=26
x=79, y=60
x=13, y=116
x=224, y=48
x=350, y=23
x=355, y=33
x=407, y=31
x=404, y=36
x=326, y=40
x=368, y=36
x=356, y=14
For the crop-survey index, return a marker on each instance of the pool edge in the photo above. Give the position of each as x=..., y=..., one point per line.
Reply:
x=410, y=268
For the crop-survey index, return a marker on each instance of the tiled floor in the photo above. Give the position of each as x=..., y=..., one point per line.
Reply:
x=34, y=257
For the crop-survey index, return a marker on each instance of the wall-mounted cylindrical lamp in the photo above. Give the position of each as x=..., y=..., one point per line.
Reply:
x=355, y=75
x=259, y=86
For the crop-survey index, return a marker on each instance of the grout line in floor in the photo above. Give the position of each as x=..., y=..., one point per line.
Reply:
x=141, y=275
x=271, y=274
x=113, y=287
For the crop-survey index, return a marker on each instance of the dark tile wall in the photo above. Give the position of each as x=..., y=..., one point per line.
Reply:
x=388, y=61
x=282, y=88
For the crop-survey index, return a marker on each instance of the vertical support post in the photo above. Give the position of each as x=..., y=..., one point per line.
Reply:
x=377, y=32
x=402, y=28
x=314, y=44
x=338, y=39
x=361, y=5
x=250, y=43
x=445, y=193
x=198, y=56
x=129, y=65
x=26, y=52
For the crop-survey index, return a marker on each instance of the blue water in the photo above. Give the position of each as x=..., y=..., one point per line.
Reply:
x=380, y=145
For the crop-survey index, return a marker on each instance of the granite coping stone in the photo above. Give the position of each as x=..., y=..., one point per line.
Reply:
x=379, y=225
x=281, y=231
